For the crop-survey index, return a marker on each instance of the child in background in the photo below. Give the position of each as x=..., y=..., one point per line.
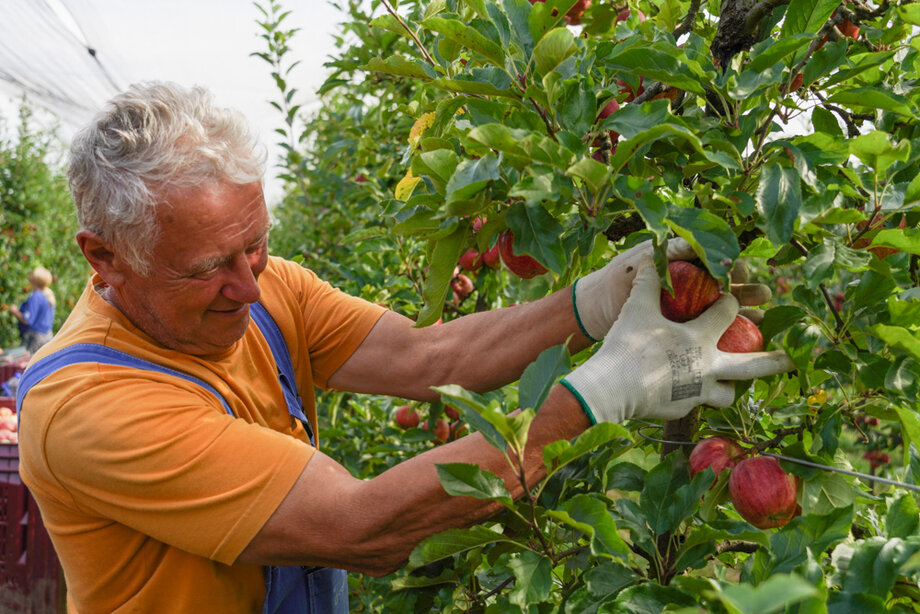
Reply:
x=36, y=314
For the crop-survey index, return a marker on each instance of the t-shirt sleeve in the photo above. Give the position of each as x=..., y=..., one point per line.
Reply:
x=166, y=460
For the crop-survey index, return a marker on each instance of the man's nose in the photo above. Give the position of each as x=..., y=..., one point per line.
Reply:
x=242, y=283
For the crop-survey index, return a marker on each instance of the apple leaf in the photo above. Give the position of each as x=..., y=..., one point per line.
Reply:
x=591, y=516
x=471, y=176
x=630, y=120
x=657, y=61
x=906, y=240
x=595, y=174
x=773, y=595
x=467, y=36
x=541, y=375
x=806, y=16
x=779, y=196
x=769, y=53
x=439, y=165
x=537, y=233
x=560, y=453
x=455, y=541
x=898, y=337
x=669, y=496
x=533, y=579
x=873, y=98
x=910, y=424
x=877, y=150
x=553, y=49
x=710, y=236
x=444, y=257
x=473, y=407
x=903, y=518
x=401, y=67
x=872, y=566
x=464, y=480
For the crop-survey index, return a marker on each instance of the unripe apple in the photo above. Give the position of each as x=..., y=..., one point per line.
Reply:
x=406, y=417
x=762, y=492
x=695, y=290
x=470, y=260
x=715, y=452
x=741, y=336
x=523, y=266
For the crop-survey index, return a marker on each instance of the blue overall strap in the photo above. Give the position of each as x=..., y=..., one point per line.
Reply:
x=282, y=357
x=295, y=589
x=93, y=352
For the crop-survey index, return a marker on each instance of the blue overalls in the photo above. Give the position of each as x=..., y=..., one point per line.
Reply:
x=288, y=589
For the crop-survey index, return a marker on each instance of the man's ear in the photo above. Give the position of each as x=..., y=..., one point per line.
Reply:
x=101, y=257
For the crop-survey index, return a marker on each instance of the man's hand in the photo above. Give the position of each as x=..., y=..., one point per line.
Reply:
x=651, y=367
x=598, y=297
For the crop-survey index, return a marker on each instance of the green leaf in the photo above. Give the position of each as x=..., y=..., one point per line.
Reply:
x=906, y=240
x=824, y=492
x=631, y=120
x=559, y=453
x=471, y=176
x=537, y=188
x=455, y=541
x=669, y=496
x=463, y=480
x=537, y=233
x=440, y=271
x=553, y=49
x=910, y=424
x=872, y=566
x=773, y=595
x=799, y=343
x=540, y=376
x=438, y=164
x=388, y=22
x=872, y=98
x=589, y=515
x=909, y=13
x=525, y=144
x=467, y=36
x=474, y=410
x=806, y=16
x=710, y=236
x=401, y=67
x=780, y=318
x=473, y=88
x=903, y=517
x=877, y=150
x=779, y=197
x=651, y=598
x=595, y=174
x=533, y=579
x=654, y=61
x=768, y=56
x=898, y=338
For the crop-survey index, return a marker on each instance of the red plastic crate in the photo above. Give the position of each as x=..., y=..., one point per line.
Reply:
x=31, y=580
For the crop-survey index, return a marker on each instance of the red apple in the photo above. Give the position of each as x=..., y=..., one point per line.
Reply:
x=462, y=286
x=470, y=260
x=523, y=266
x=609, y=109
x=695, y=290
x=762, y=492
x=407, y=417
x=441, y=430
x=625, y=13
x=715, y=452
x=492, y=258
x=848, y=28
x=8, y=423
x=458, y=429
x=451, y=412
x=741, y=336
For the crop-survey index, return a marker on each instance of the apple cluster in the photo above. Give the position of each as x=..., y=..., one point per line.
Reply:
x=503, y=252
x=761, y=491
x=407, y=417
x=9, y=426
x=694, y=291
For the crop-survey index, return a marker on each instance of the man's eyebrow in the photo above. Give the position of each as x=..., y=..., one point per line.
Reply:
x=217, y=261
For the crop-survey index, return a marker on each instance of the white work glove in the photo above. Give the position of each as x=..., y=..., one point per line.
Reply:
x=598, y=297
x=651, y=367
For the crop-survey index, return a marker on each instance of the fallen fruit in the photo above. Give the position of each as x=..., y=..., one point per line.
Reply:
x=715, y=452
x=695, y=290
x=523, y=266
x=740, y=337
x=762, y=492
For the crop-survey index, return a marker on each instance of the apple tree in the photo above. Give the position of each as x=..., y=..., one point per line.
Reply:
x=37, y=221
x=780, y=138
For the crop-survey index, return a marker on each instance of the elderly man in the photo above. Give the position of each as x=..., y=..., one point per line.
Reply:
x=168, y=430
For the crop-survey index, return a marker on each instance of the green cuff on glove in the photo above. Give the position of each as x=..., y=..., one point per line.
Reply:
x=584, y=404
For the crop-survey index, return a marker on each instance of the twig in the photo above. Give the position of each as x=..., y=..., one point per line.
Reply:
x=392, y=12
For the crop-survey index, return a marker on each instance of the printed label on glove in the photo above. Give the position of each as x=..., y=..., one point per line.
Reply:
x=686, y=375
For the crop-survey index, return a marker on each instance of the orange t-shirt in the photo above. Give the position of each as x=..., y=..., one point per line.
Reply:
x=148, y=488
